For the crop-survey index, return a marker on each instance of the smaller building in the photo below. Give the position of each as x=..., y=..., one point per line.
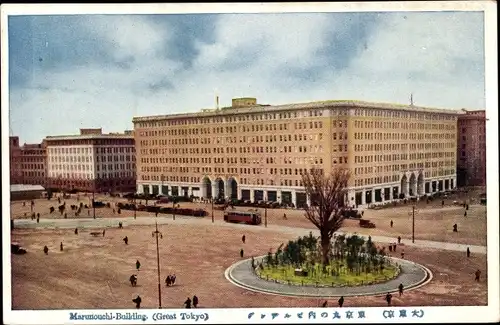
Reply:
x=25, y=192
x=471, y=149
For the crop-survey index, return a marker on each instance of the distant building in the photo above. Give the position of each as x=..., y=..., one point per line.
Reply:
x=25, y=192
x=471, y=155
x=27, y=163
x=92, y=161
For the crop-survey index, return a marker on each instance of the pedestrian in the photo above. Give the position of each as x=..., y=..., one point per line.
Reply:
x=400, y=287
x=46, y=250
x=341, y=301
x=465, y=213
x=195, y=301
x=284, y=216
x=137, y=265
x=455, y=228
x=133, y=280
x=392, y=223
x=173, y=278
x=241, y=253
x=76, y=231
x=125, y=240
x=390, y=248
x=103, y=232
x=403, y=254
x=168, y=281
x=24, y=204
x=137, y=302
x=325, y=304
x=442, y=203
x=38, y=215
x=399, y=239
x=394, y=247
x=468, y=252
x=243, y=239
x=478, y=275
x=61, y=246
x=388, y=298
x=38, y=220
x=187, y=303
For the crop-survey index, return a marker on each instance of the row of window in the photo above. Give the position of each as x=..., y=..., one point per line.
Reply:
x=87, y=150
x=106, y=167
x=240, y=118
x=32, y=166
x=402, y=157
x=86, y=176
x=396, y=178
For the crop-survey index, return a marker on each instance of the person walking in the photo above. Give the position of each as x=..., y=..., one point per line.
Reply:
x=400, y=289
x=478, y=275
x=125, y=240
x=187, y=303
x=388, y=298
x=46, y=250
x=341, y=301
x=195, y=301
x=61, y=247
x=137, y=302
x=243, y=239
x=468, y=252
x=392, y=223
x=399, y=239
x=137, y=265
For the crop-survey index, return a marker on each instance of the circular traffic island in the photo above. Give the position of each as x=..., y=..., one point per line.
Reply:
x=354, y=268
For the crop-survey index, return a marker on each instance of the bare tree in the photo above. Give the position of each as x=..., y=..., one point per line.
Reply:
x=327, y=194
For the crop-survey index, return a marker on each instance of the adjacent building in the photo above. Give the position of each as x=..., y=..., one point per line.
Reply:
x=471, y=149
x=259, y=152
x=28, y=163
x=92, y=161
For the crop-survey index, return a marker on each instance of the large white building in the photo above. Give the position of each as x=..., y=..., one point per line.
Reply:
x=92, y=161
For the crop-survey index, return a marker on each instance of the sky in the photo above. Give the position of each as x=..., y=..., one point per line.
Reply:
x=82, y=71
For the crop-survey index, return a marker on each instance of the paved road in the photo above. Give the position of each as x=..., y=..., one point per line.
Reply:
x=411, y=276
x=166, y=219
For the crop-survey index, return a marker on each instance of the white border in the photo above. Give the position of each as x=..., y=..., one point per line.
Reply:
x=239, y=315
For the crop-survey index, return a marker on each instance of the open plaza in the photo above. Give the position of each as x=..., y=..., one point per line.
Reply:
x=93, y=270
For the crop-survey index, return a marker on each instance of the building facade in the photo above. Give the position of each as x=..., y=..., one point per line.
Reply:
x=28, y=163
x=15, y=152
x=471, y=149
x=259, y=152
x=92, y=161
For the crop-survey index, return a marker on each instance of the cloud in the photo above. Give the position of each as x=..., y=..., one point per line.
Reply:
x=103, y=70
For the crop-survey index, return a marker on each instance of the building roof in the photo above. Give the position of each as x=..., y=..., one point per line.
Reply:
x=26, y=188
x=89, y=137
x=311, y=105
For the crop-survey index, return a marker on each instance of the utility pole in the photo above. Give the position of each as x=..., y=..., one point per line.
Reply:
x=265, y=211
x=212, y=210
x=93, y=201
x=412, y=214
x=158, y=234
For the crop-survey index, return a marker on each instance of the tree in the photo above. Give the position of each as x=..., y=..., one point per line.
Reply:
x=327, y=195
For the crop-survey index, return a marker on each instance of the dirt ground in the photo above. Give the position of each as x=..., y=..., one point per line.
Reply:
x=432, y=222
x=93, y=272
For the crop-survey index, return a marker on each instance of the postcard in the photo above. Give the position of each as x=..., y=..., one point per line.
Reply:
x=250, y=163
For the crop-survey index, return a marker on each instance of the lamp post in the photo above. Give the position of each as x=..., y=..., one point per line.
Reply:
x=157, y=234
x=173, y=209
x=162, y=179
x=265, y=210
x=412, y=214
x=212, y=210
x=93, y=201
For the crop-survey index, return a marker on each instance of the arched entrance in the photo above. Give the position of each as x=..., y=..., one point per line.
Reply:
x=232, y=188
x=420, y=184
x=404, y=185
x=413, y=184
x=219, y=188
x=206, y=187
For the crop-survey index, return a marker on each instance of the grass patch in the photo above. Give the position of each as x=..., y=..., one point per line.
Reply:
x=336, y=275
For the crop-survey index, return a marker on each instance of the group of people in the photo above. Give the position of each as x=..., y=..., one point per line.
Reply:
x=170, y=280
x=188, y=302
